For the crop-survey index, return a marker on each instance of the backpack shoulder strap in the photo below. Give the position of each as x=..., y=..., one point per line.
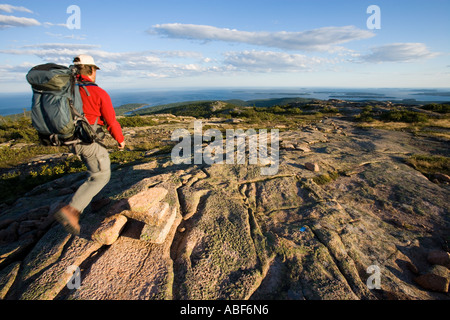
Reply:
x=84, y=84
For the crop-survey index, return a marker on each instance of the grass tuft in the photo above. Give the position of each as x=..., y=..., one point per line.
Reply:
x=429, y=164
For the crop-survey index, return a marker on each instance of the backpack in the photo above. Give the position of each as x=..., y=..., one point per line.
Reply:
x=57, y=109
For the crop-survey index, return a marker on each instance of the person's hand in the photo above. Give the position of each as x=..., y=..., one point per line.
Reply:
x=122, y=146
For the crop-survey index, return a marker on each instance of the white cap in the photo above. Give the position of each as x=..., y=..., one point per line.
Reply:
x=84, y=59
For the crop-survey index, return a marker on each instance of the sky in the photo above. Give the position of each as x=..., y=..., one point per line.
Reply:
x=232, y=43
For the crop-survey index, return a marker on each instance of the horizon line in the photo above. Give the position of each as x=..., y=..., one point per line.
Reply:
x=250, y=87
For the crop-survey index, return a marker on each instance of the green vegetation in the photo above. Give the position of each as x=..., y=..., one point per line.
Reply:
x=439, y=108
x=122, y=110
x=257, y=115
x=19, y=130
x=136, y=121
x=10, y=157
x=16, y=183
x=366, y=115
x=15, y=117
x=326, y=178
x=262, y=103
x=429, y=164
x=263, y=111
x=265, y=103
x=404, y=116
x=198, y=110
x=22, y=144
x=162, y=108
x=396, y=115
x=122, y=157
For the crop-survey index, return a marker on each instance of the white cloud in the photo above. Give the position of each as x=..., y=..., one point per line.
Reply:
x=171, y=64
x=9, y=8
x=61, y=36
x=67, y=51
x=399, y=52
x=269, y=61
x=60, y=53
x=322, y=39
x=21, y=68
x=158, y=64
x=17, y=73
x=61, y=46
x=64, y=51
x=50, y=24
x=12, y=21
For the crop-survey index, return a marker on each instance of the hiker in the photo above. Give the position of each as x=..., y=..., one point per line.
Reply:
x=98, y=110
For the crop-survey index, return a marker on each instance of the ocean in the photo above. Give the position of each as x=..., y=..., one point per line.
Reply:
x=14, y=103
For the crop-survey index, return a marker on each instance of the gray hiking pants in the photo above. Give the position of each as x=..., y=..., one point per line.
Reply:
x=96, y=159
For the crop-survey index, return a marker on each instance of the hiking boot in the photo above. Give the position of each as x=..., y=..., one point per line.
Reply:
x=69, y=216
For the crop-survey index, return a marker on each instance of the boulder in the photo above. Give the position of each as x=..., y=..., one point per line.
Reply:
x=287, y=145
x=189, y=200
x=312, y=166
x=164, y=218
x=144, y=200
x=110, y=229
x=412, y=267
x=435, y=279
x=303, y=147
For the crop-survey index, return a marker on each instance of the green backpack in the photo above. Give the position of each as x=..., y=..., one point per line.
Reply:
x=57, y=108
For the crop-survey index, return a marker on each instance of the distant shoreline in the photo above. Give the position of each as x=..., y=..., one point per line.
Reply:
x=163, y=97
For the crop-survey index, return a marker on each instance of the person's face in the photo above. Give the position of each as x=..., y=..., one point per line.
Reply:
x=94, y=74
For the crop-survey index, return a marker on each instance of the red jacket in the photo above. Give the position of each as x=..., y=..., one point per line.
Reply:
x=99, y=106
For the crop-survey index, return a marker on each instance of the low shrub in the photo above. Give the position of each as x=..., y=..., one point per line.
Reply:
x=366, y=115
x=436, y=107
x=404, y=116
x=10, y=157
x=430, y=164
x=16, y=183
x=19, y=130
x=136, y=121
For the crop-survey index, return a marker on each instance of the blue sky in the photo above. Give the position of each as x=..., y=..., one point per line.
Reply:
x=245, y=43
